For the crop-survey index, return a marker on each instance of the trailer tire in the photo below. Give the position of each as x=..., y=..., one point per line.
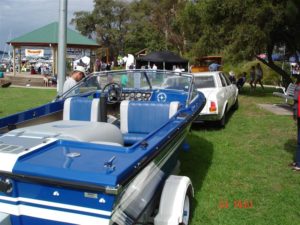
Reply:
x=186, y=212
x=175, y=202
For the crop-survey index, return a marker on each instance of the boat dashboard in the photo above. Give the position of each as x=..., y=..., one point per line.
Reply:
x=136, y=95
x=159, y=95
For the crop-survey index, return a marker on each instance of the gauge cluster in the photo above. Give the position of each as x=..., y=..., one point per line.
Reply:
x=136, y=96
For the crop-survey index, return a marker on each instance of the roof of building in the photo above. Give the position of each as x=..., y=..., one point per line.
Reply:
x=48, y=34
x=163, y=56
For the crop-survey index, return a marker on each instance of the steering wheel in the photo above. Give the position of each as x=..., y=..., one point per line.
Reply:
x=114, y=92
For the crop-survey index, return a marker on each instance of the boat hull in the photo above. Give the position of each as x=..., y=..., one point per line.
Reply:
x=46, y=177
x=34, y=203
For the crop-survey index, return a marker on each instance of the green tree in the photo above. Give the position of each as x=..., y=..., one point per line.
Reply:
x=107, y=22
x=242, y=29
x=155, y=25
x=129, y=26
x=189, y=24
x=85, y=23
x=141, y=30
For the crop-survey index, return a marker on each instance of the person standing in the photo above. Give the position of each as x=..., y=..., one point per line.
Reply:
x=241, y=81
x=232, y=77
x=252, y=77
x=154, y=67
x=214, y=66
x=75, y=77
x=259, y=75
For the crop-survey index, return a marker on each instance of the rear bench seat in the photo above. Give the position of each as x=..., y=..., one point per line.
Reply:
x=80, y=123
x=139, y=118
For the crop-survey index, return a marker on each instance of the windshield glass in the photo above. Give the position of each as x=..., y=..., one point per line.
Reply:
x=132, y=79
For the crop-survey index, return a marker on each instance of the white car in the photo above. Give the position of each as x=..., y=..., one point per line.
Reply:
x=221, y=95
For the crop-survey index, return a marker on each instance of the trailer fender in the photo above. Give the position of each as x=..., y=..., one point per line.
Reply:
x=174, y=202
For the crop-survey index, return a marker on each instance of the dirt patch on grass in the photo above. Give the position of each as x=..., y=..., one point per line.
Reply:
x=278, y=109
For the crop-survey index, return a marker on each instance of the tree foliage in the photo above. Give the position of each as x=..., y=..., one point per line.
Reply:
x=108, y=22
x=244, y=29
x=237, y=29
x=141, y=31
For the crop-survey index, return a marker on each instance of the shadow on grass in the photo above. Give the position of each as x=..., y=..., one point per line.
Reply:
x=196, y=163
x=258, y=92
x=290, y=146
x=212, y=125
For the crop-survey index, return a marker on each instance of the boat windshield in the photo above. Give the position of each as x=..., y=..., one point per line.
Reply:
x=132, y=80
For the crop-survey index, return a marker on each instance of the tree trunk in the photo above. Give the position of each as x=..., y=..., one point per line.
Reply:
x=286, y=79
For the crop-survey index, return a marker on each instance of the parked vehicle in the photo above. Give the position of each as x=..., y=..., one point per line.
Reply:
x=221, y=95
x=202, y=64
x=103, y=154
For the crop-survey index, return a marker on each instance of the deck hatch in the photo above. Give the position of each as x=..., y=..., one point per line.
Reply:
x=6, y=148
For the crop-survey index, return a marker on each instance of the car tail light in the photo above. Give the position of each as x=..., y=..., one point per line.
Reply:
x=213, y=107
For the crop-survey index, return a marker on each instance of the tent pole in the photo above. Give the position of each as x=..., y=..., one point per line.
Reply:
x=53, y=59
x=14, y=60
x=62, y=41
x=56, y=61
x=91, y=69
x=20, y=60
x=107, y=55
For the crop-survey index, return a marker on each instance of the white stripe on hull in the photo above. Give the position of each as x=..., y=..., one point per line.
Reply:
x=50, y=214
x=57, y=205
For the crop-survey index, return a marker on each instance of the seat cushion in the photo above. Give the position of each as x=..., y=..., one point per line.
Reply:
x=141, y=118
x=82, y=109
x=86, y=131
x=145, y=117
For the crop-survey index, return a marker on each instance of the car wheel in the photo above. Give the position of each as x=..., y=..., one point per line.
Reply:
x=222, y=121
x=236, y=104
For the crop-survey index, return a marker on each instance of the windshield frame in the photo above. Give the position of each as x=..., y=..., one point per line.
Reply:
x=144, y=72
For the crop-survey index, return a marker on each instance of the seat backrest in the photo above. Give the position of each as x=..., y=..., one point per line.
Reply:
x=83, y=109
x=144, y=117
x=291, y=89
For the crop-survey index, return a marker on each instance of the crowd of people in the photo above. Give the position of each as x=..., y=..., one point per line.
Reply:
x=255, y=74
x=102, y=66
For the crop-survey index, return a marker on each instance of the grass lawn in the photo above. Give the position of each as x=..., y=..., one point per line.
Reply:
x=245, y=164
x=14, y=100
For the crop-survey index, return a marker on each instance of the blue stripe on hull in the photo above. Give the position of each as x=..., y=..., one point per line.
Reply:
x=34, y=221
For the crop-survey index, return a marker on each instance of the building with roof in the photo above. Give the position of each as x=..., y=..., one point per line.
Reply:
x=47, y=36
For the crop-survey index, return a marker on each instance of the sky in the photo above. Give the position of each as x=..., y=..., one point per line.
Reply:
x=19, y=17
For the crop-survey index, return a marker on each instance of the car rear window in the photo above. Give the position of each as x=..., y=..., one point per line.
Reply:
x=205, y=82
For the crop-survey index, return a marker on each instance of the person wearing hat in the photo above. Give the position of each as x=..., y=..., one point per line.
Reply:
x=75, y=77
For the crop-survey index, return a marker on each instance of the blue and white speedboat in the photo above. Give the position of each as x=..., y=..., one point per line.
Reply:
x=105, y=152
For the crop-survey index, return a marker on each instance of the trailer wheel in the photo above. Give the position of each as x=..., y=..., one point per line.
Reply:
x=175, y=202
x=186, y=209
